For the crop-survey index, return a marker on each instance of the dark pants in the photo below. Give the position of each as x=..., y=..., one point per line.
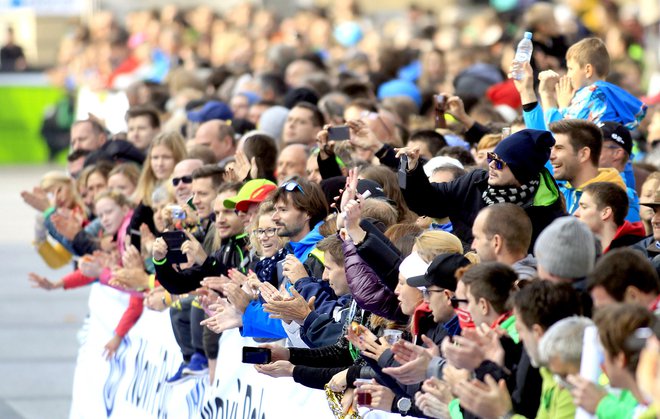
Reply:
x=187, y=331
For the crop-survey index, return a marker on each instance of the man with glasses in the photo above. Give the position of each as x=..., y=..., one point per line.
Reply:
x=516, y=174
x=182, y=179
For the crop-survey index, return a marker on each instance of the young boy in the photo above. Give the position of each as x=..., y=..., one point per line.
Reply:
x=583, y=92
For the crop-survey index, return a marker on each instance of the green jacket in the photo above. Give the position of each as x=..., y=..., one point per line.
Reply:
x=617, y=407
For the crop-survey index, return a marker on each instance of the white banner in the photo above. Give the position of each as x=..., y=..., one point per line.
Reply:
x=132, y=384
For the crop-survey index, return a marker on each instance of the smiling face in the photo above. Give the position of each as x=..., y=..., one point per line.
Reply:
x=564, y=159
x=227, y=222
x=162, y=162
x=270, y=243
x=409, y=297
x=501, y=177
x=111, y=215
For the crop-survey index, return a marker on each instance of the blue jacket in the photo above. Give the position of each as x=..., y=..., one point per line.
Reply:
x=302, y=248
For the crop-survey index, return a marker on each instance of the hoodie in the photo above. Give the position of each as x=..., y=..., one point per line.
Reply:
x=573, y=195
x=302, y=249
x=601, y=101
x=627, y=235
x=525, y=267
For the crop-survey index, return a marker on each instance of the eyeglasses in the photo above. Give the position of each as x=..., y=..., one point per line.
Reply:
x=456, y=301
x=492, y=157
x=185, y=179
x=269, y=232
x=427, y=292
x=291, y=185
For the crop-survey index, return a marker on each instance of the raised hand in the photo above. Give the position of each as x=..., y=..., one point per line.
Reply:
x=130, y=278
x=159, y=249
x=488, y=399
x=525, y=85
x=39, y=281
x=215, y=282
x=236, y=296
x=37, y=199
x=132, y=258
x=294, y=309
x=193, y=249
x=293, y=269
x=412, y=153
x=67, y=223
x=565, y=91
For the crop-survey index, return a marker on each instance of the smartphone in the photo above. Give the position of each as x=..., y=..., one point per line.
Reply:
x=252, y=355
x=402, y=174
x=174, y=240
x=440, y=106
x=280, y=273
x=339, y=133
x=136, y=239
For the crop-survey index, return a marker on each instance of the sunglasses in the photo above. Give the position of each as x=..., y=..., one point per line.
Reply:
x=185, y=179
x=456, y=301
x=292, y=185
x=492, y=157
x=269, y=232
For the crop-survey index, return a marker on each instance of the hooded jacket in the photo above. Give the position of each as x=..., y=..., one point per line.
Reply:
x=573, y=194
x=461, y=200
x=627, y=235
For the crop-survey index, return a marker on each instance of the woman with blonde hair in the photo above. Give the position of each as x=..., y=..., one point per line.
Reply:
x=166, y=150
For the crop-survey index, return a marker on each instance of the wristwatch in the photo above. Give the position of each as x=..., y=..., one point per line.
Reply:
x=404, y=404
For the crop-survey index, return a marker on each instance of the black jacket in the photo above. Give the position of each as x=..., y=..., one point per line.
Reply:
x=232, y=254
x=461, y=200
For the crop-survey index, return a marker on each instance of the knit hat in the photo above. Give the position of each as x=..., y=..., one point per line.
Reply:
x=613, y=131
x=440, y=161
x=526, y=152
x=272, y=121
x=566, y=248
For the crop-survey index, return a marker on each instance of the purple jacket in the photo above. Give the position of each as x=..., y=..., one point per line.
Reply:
x=367, y=289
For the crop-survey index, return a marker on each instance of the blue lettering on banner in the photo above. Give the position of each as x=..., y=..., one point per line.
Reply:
x=222, y=408
x=117, y=368
x=195, y=398
x=142, y=391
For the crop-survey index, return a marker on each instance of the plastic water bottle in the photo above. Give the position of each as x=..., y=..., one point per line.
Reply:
x=523, y=55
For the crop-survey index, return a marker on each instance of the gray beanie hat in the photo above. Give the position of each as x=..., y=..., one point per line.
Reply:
x=566, y=248
x=272, y=121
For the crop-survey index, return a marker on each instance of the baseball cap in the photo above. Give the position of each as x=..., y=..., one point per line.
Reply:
x=212, y=109
x=440, y=272
x=613, y=131
x=254, y=191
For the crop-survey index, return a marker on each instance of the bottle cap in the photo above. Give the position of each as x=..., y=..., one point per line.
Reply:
x=528, y=35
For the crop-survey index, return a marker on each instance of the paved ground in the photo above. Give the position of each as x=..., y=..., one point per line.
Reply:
x=38, y=328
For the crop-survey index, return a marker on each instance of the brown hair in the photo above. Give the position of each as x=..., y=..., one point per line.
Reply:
x=128, y=169
x=591, y=51
x=512, y=223
x=332, y=245
x=492, y=281
x=608, y=194
x=380, y=210
x=119, y=198
x=310, y=200
x=616, y=323
x=144, y=110
x=385, y=177
x=581, y=133
x=489, y=141
x=212, y=171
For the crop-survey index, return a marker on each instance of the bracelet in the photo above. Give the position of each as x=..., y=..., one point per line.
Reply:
x=159, y=262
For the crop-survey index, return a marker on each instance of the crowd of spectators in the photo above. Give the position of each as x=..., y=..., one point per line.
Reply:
x=377, y=201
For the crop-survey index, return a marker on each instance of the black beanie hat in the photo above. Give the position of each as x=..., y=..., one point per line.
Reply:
x=526, y=152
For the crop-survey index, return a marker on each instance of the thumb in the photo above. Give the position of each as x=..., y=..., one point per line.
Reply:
x=427, y=341
x=311, y=302
x=502, y=385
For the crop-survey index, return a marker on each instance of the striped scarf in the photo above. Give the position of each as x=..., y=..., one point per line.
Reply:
x=521, y=195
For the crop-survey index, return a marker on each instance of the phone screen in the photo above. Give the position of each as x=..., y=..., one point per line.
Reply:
x=252, y=355
x=339, y=133
x=174, y=240
x=402, y=174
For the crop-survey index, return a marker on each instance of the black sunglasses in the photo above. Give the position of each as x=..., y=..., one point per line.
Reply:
x=492, y=157
x=456, y=301
x=185, y=179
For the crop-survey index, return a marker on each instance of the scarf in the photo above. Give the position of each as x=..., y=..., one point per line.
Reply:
x=521, y=195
